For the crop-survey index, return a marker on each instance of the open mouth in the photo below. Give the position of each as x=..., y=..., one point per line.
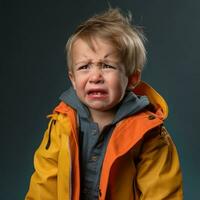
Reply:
x=97, y=93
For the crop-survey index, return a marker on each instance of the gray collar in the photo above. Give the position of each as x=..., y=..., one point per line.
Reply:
x=130, y=104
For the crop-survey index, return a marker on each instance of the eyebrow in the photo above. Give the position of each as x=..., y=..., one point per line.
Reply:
x=84, y=61
x=109, y=54
x=79, y=62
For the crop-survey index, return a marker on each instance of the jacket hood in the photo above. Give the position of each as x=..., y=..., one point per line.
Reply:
x=158, y=103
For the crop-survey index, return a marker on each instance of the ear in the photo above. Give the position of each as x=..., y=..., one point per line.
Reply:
x=134, y=79
x=72, y=79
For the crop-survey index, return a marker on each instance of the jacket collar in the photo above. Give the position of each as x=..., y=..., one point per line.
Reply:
x=143, y=89
x=130, y=104
x=156, y=100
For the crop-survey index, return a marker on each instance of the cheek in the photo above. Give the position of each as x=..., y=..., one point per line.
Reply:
x=78, y=82
x=72, y=79
x=79, y=85
x=123, y=82
x=119, y=84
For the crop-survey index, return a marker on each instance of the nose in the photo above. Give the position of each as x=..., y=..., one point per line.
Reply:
x=96, y=76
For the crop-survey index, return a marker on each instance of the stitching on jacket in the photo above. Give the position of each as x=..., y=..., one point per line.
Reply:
x=49, y=139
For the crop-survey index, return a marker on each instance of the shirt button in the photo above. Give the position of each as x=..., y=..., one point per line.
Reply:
x=94, y=158
x=94, y=132
x=85, y=191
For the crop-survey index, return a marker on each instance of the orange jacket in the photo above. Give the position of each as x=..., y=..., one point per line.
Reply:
x=141, y=161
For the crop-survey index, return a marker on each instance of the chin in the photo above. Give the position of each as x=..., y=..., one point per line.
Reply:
x=101, y=108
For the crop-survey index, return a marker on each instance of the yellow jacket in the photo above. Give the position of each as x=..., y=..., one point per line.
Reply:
x=141, y=161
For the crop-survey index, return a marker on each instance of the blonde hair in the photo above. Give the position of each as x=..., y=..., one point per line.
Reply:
x=113, y=26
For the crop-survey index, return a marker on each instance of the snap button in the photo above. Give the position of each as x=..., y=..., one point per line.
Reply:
x=85, y=191
x=151, y=117
x=94, y=132
x=94, y=158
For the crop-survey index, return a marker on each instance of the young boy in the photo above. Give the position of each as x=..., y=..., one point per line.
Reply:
x=106, y=139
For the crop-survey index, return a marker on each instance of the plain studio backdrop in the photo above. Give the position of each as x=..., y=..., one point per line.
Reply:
x=33, y=75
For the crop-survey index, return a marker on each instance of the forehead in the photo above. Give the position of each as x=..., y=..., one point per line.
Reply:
x=93, y=47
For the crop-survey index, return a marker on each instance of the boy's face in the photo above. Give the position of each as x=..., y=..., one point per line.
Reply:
x=98, y=75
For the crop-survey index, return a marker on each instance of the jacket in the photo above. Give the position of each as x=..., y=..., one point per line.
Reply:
x=141, y=161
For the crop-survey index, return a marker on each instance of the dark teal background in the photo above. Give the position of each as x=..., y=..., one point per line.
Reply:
x=33, y=75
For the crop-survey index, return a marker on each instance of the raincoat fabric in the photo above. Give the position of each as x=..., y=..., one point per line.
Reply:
x=140, y=163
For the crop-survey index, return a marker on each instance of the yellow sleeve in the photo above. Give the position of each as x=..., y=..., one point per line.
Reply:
x=158, y=170
x=43, y=184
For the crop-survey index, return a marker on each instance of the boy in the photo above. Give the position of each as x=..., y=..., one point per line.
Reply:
x=106, y=139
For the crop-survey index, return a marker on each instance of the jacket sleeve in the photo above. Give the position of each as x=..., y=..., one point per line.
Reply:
x=43, y=184
x=158, y=170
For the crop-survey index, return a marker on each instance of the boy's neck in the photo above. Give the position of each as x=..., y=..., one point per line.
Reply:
x=102, y=118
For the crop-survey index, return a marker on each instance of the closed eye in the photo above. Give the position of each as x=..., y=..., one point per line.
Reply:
x=83, y=67
x=108, y=66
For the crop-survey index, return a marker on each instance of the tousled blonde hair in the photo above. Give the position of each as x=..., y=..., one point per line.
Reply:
x=113, y=26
